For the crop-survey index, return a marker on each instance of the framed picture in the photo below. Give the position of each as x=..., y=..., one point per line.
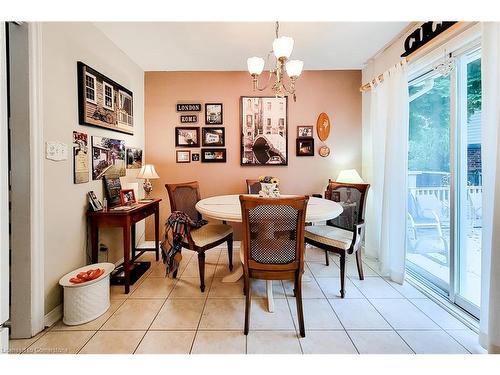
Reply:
x=108, y=157
x=336, y=196
x=305, y=131
x=80, y=158
x=187, y=137
x=102, y=102
x=134, y=158
x=213, y=137
x=112, y=188
x=305, y=146
x=324, y=151
x=195, y=157
x=127, y=197
x=213, y=113
x=188, y=119
x=183, y=156
x=94, y=203
x=264, y=131
x=213, y=155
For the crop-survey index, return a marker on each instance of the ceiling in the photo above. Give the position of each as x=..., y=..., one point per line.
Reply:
x=220, y=46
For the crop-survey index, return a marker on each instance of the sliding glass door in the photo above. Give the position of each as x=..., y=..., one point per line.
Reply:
x=445, y=178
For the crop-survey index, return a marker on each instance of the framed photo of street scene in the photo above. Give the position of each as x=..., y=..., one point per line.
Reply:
x=108, y=157
x=213, y=155
x=187, y=137
x=102, y=102
x=264, y=131
x=134, y=158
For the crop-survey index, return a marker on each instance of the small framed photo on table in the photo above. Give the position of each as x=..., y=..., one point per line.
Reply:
x=183, y=156
x=127, y=197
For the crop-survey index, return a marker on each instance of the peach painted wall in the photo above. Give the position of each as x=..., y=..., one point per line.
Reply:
x=334, y=92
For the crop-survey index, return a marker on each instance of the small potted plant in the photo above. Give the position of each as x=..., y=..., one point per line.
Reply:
x=269, y=187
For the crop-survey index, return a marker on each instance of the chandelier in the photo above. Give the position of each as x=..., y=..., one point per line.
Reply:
x=282, y=49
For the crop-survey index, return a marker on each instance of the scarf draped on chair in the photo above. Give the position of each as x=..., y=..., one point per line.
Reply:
x=179, y=225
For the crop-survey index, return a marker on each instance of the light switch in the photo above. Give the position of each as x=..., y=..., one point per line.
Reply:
x=56, y=151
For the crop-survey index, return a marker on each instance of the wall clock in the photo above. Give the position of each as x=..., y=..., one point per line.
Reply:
x=323, y=126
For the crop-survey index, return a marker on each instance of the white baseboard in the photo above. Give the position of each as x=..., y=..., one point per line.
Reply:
x=53, y=316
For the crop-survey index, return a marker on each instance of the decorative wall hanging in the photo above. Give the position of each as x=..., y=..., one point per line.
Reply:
x=188, y=107
x=264, y=131
x=323, y=126
x=424, y=34
x=213, y=137
x=183, y=156
x=213, y=113
x=187, y=137
x=134, y=158
x=213, y=155
x=305, y=131
x=189, y=119
x=305, y=146
x=80, y=158
x=324, y=151
x=102, y=102
x=195, y=157
x=108, y=157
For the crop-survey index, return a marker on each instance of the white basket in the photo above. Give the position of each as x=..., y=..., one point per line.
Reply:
x=86, y=301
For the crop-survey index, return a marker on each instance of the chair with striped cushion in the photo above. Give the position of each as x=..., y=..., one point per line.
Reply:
x=344, y=234
x=183, y=197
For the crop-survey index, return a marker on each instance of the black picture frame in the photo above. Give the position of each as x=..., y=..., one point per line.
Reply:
x=209, y=155
x=178, y=134
x=214, y=132
x=188, y=107
x=305, y=147
x=93, y=106
x=188, y=118
x=112, y=188
x=195, y=157
x=180, y=152
x=244, y=160
x=213, y=117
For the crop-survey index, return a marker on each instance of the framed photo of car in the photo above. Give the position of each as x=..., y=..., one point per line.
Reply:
x=187, y=137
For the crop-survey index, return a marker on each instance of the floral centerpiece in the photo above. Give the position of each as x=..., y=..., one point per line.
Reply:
x=269, y=187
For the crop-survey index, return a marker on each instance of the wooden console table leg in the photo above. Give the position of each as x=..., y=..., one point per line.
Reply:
x=94, y=240
x=157, y=233
x=133, y=242
x=126, y=256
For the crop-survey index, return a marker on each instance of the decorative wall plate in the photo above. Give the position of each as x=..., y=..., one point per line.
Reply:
x=323, y=126
x=324, y=151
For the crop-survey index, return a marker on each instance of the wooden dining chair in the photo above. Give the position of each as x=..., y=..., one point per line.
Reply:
x=183, y=197
x=273, y=245
x=344, y=234
x=253, y=186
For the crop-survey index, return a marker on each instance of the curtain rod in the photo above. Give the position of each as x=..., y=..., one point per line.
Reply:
x=431, y=44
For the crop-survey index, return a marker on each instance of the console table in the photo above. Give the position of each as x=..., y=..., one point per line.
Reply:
x=125, y=219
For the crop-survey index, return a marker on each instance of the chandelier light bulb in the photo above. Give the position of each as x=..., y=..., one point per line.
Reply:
x=294, y=68
x=283, y=46
x=255, y=65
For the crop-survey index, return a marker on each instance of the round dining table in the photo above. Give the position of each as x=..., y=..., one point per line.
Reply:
x=228, y=208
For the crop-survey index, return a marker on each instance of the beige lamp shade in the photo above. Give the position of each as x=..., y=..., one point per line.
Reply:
x=350, y=176
x=148, y=171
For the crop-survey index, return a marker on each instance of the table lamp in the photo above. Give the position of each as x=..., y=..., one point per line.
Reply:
x=147, y=172
x=349, y=176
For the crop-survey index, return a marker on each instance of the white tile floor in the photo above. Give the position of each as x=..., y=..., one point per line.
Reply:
x=172, y=316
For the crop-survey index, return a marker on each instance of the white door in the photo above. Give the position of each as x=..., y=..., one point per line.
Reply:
x=4, y=197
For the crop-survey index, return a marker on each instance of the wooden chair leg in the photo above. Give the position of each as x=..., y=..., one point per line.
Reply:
x=342, y=275
x=230, y=251
x=201, y=266
x=298, y=300
x=359, y=263
x=244, y=285
x=247, y=304
x=327, y=258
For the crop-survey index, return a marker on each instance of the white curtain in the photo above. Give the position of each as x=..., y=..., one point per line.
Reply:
x=490, y=262
x=386, y=218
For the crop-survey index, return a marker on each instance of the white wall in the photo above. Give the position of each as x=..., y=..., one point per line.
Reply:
x=63, y=44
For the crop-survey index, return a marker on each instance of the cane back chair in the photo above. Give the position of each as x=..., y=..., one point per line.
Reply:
x=344, y=234
x=183, y=197
x=273, y=244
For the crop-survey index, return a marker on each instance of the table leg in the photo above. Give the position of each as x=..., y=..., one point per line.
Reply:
x=133, y=242
x=126, y=256
x=157, y=233
x=270, y=299
x=238, y=271
x=94, y=240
